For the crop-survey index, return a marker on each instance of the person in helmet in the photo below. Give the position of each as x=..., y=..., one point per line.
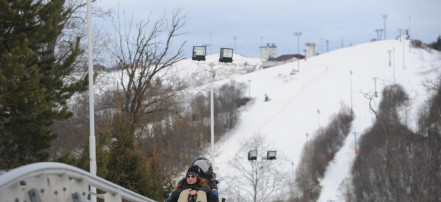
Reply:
x=206, y=172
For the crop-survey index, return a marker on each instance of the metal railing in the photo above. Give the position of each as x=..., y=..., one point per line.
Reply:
x=59, y=182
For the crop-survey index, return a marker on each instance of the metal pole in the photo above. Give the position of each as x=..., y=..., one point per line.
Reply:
x=394, y=64
x=409, y=36
x=375, y=86
x=249, y=88
x=92, y=152
x=212, y=113
x=352, y=107
x=262, y=169
x=355, y=142
x=403, y=39
x=390, y=63
x=318, y=118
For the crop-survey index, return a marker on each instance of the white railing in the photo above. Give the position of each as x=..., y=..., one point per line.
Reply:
x=59, y=182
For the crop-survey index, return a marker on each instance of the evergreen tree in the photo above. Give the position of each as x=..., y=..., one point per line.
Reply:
x=126, y=166
x=32, y=90
x=436, y=44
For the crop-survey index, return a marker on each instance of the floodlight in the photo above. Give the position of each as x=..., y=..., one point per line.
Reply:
x=252, y=155
x=271, y=155
x=198, y=53
x=226, y=55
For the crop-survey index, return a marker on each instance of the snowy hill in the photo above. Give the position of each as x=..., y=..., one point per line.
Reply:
x=302, y=103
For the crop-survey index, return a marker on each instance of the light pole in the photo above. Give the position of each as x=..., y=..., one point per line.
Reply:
x=394, y=63
x=92, y=147
x=352, y=107
x=402, y=32
x=318, y=118
x=252, y=156
x=298, y=34
x=212, y=111
x=375, y=86
x=390, y=62
x=249, y=88
x=355, y=142
x=408, y=33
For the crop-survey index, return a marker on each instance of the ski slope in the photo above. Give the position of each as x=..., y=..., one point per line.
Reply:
x=303, y=102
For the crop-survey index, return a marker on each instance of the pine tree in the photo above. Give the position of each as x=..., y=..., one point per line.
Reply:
x=32, y=90
x=436, y=44
x=126, y=166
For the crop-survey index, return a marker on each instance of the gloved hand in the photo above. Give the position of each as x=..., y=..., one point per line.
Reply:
x=213, y=184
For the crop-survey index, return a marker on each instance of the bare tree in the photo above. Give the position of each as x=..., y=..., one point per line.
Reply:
x=144, y=58
x=258, y=180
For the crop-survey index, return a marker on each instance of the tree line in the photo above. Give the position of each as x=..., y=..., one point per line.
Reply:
x=394, y=163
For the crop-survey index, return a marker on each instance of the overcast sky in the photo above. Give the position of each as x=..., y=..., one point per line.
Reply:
x=257, y=22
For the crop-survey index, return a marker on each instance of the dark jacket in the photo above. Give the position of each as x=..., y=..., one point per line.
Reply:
x=184, y=185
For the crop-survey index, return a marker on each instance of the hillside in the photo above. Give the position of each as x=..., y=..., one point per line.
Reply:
x=324, y=83
x=302, y=103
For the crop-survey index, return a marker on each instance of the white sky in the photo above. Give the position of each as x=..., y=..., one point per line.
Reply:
x=257, y=22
